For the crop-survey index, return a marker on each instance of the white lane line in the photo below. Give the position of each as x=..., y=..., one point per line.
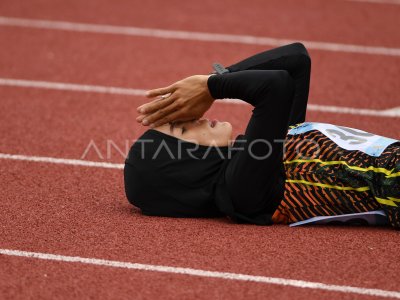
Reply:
x=378, y=1
x=192, y=35
x=393, y=112
x=63, y=161
x=205, y=273
x=71, y=87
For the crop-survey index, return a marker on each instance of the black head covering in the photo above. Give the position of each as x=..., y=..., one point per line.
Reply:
x=166, y=176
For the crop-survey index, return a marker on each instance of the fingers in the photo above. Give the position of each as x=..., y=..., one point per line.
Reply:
x=173, y=116
x=162, y=116
x=140, y=118
x=156, y=104
x=161, y=91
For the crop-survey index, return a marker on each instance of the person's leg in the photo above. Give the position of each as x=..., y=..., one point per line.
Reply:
x=387, y=187
x=293, y=58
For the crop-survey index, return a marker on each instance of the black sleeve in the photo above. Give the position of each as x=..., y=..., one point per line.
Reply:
x=292, y=58
x=250, y=86
x=253, y=177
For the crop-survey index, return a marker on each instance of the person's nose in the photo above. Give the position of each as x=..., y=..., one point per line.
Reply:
x=205, y=121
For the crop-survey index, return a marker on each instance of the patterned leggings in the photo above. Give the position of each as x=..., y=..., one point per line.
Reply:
x=323, y=179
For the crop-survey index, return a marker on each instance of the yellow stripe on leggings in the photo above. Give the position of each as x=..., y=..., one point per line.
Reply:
x=342, y=188
x=393, y=175
x=394, y=199
x=386, y=202
x=387, y=172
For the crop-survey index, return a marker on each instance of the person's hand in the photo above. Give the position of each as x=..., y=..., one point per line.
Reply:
x=185, y=100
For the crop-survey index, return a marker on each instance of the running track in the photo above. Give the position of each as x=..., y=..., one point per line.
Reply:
x=66, y=229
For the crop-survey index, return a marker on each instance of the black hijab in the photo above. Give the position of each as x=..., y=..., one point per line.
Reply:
x=166, y=176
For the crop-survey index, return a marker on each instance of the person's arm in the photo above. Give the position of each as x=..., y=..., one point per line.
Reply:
x=250, y=86
x=292, y=58
x=190, y=100
x=254, y=177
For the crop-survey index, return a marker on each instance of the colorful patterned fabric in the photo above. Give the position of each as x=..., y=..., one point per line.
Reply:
x=324, y=179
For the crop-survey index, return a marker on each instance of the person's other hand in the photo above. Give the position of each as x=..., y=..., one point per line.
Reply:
x=185, y=100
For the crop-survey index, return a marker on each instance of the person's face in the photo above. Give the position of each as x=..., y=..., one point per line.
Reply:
x=202, y=132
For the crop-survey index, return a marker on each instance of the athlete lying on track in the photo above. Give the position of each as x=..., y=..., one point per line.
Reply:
x=185, y=166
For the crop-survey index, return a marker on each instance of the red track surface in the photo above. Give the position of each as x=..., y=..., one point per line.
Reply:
x=81, y=211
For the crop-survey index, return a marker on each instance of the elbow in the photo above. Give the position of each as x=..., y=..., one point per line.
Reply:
x=303, y=59
x=305, y=62
x=300, y=49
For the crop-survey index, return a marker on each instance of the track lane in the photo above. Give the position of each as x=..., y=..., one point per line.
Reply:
x=320, y=20
x=73, y=87
x=45, y=211
x=315, y=286
x=341, y=79
x=49, y=280
x=192, y=35
x=101, y=126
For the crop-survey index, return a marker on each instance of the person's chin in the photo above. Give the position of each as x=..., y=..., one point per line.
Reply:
x=229, y=126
